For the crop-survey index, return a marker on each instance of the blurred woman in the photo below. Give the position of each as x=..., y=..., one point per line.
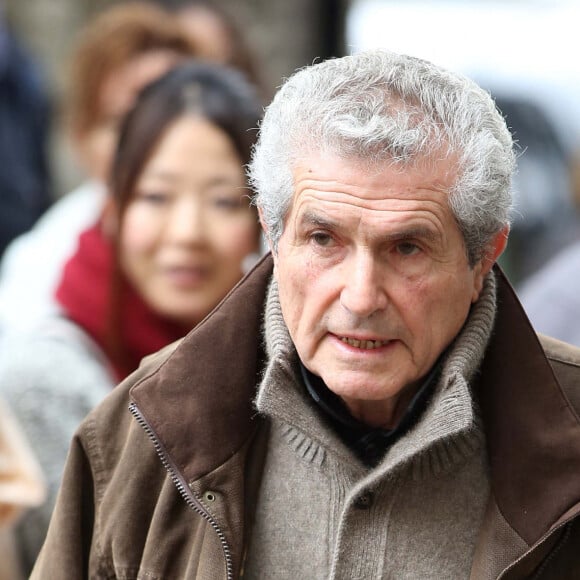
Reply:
x=115, y=55
x=172, y=242
x=219, y=36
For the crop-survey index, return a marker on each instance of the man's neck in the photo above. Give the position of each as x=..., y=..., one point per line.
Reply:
x=383, y=414
x=369, y=442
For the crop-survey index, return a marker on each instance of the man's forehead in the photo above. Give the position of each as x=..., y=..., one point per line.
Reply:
x=390, y=187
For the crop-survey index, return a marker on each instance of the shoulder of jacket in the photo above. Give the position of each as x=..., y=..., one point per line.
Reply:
x=564, y=359
x=559, y=351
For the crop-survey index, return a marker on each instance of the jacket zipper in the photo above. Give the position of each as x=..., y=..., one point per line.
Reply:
x=183, y=488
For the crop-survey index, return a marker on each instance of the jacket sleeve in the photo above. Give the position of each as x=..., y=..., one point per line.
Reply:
x=70, y=541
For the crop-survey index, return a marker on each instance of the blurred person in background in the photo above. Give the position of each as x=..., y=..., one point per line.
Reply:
x=25, y=115
x=176, y=237
x=116, y=54
x=551, y=296
x=219, y=37
x=21, y=488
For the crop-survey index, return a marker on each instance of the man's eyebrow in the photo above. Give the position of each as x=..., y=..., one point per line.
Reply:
x=315, y=219
x=410, y=233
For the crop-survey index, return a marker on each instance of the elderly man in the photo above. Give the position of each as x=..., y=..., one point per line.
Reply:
x=371, y=401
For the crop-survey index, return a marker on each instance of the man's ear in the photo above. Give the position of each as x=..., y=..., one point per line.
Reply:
x=493, y=251
x=495, y=248
x=268, y=239
x=265, y=230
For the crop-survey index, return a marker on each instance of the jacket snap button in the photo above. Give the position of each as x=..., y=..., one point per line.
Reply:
x=364, y=501
x=209, y=496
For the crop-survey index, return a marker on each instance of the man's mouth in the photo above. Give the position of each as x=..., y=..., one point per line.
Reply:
x=364, y=344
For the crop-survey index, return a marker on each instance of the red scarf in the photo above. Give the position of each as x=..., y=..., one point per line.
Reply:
x=85, y=293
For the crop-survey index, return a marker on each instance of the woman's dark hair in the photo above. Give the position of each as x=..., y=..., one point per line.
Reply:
x=217, y=94
x=211, y=92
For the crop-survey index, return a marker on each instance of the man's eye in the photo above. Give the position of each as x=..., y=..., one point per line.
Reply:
x=407, y=248
x=321, y=239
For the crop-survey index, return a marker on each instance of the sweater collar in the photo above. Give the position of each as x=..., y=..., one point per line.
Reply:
x=368, y=443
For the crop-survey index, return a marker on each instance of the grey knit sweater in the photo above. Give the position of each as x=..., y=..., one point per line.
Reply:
x=322, y=514
x=51, y=377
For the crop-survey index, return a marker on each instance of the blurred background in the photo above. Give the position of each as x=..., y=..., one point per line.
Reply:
x=283, y=35
x=520, y=50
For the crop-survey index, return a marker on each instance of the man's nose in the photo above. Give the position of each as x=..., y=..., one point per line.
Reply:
x=363, y=291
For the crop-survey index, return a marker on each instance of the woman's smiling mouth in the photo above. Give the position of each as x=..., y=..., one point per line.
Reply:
x=187, y=276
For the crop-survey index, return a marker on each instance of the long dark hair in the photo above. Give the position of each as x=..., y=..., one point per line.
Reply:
x=214, y=93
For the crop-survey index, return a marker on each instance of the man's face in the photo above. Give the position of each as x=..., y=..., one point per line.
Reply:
x=373, y=278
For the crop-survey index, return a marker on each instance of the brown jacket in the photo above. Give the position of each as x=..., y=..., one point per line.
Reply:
x=164, y=490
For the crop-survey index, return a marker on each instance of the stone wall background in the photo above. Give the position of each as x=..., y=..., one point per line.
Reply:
x=284, y=34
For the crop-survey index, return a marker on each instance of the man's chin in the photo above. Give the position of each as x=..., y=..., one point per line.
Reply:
x=362, y=387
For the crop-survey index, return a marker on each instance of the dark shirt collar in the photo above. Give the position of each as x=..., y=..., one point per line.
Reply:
x=368, y=443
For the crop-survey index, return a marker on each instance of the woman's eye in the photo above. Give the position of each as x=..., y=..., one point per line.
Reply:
x=407, y=248
x=154, y=197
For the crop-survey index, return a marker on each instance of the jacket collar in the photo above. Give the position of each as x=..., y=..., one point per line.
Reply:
x=532, y=432
x=199, y=403
x=199, y=399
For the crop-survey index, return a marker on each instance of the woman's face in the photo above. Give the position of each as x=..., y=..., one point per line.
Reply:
x=189, y=225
